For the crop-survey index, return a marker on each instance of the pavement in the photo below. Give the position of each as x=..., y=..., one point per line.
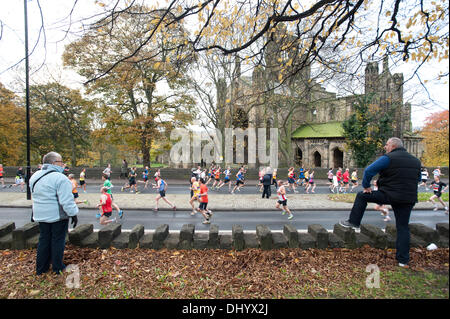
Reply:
x=236, y=202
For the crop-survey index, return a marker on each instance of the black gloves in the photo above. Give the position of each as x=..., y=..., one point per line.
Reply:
x=74, y=221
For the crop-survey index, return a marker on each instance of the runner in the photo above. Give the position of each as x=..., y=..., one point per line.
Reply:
x=354, y=179
x=107, y=184
x=438, y=188
x=106, y=207
x=19, y=180
x=335, y=184
x=226, y=179
x=211, y=172
x=161, y=185
x=291, y=179
x=107, y=171
x=437, y=171
x=1, y=176
x=381, y=208
x=83, y=179
x=345, y=180
x=131, y=181
x=204, y=202
x=157, y=173
x=282, y=199
x=239, y=180
x=75, y=190
x=216, y=177
x=339, y=178
x=301, y=176
x=424, y=178
x=311, y=182
x=330, y=178
x=145, y=176
x=306, y=174
x=195, y=190
x=274, y=178
x=261, y=174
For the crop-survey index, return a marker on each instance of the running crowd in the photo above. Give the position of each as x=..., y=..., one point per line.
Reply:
x=219, y=177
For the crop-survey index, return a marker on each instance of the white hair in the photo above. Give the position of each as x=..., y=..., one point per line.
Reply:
x=51, y=158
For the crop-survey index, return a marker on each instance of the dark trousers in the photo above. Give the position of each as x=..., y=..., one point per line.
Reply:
x=50, y=250
x=266, y=191
x=402, y=214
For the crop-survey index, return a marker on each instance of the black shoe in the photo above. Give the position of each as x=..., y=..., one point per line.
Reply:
x=347, y=224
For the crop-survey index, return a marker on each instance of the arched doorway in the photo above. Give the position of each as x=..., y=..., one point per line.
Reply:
x=338, y=158
x=317, y=159
x=299, y=157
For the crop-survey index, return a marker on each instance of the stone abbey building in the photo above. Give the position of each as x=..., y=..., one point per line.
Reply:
x=313, y=129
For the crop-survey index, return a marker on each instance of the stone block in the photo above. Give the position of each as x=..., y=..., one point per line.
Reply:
x=172, y=241
x=279, y=240
x=306, y=241
x=427, y=234
x=390, y=241
x=20, y=235
x=200, y=241
x=79, y=233
x=160, y=235
x=187, y=232
x=107, y=234
x=443, y=242
x=291, y=233
x=121, y=241
x=6, y=241
x=442, y=229
x=417, y=242
x=226, y=242
x=347, y=234
x=146, y=241
x=391, y=230
x=135, y=236
x=265, y=237
x=362, y=240
x=377, y=236
x=237, y=233
x=251, y=240
x=335, y=241
x=32, y=242
x=90, y=241
x=213, y=239
x=7, y=229
x=320, y=235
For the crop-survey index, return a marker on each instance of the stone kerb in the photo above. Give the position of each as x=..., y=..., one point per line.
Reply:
x=21, y=235
x=316, y=237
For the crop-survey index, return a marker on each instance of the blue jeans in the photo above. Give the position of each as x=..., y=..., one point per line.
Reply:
x=52, y=241
x=402, y=214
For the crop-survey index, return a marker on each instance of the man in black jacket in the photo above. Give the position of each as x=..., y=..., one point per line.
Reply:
x=399, y=173
x=267, y=181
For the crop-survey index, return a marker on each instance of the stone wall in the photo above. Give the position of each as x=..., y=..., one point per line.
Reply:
x=27, y=237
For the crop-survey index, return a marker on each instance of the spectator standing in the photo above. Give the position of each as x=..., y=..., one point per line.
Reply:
x=399, y=173
x=53, y=205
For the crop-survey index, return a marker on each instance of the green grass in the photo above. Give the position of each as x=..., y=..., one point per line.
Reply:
x=401, y=283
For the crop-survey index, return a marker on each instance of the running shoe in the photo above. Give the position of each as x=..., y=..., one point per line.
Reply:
x=98, y=215
x=193, y=213
x=120, y=214
x=206, y=221
x=291, y=216
x=347, y=224
x=387, y=218
x=435, y=208
x=121, y=189
x=86, y=202
x=113, y=220
x=174, y=208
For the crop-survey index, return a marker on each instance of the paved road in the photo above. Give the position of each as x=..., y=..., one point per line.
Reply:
x=94, y=188
x=226, y=219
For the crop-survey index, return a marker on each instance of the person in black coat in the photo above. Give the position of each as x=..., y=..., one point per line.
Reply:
x=267, y=181
x=399, y=173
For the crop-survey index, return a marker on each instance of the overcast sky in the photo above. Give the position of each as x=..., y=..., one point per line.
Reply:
x=61, y=27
